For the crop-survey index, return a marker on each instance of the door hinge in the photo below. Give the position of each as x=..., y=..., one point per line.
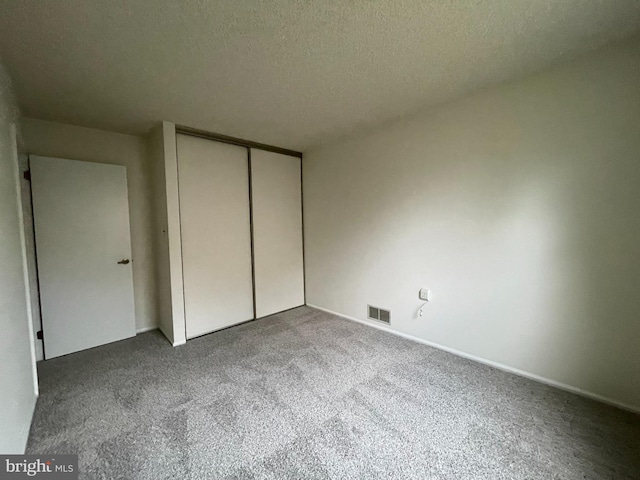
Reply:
x=27, y=175
x=39, y=335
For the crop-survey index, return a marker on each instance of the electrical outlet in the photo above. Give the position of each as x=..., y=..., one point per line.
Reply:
x=424, y=294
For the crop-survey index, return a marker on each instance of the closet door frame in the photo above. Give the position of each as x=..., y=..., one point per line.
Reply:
x=272, y=185
x=172, y=235
x=213, y=182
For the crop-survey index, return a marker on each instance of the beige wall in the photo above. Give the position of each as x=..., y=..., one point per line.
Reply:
x=79, y=143
x=519, y=208
x=18, y=384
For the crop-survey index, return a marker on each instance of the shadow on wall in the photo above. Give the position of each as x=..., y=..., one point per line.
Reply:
x=516, y=206
x=18, y=384
x=588, y=152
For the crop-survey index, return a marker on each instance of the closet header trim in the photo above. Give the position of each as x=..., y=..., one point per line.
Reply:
x=194, y=132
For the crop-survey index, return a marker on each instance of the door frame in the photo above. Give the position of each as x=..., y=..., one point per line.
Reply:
x=29, y=229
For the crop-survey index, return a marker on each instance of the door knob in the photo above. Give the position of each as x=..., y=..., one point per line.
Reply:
x=123, y=261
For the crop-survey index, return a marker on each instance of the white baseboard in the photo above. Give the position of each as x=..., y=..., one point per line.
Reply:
x=146, y=329
x=500, y=366
x=174, y=344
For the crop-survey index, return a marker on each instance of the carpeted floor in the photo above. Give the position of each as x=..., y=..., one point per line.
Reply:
x=306, y=395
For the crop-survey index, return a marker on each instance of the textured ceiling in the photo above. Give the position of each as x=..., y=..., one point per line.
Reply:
x=289, y=73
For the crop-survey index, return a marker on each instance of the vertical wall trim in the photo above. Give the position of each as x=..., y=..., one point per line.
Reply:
x=304, y=262
x=35, y=262
x=184, y=305
x=174, y=233
x=23, y=249
x=253, y=258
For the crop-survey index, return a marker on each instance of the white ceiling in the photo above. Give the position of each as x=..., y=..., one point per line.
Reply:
x=288, y=73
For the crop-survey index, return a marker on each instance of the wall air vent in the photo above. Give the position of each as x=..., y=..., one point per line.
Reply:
x=376, y=313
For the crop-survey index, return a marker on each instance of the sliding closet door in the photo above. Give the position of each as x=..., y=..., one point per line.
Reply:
x=277, y=231
x=213, y=182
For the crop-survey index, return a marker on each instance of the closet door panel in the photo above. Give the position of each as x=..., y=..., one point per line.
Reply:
x=213, y=181
x=277, y=232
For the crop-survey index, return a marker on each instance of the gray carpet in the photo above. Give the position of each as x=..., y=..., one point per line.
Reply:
x=305, y=394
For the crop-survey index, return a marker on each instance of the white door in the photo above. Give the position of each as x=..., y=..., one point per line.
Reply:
x=276, y=196
x=83, y=246
x=213, y=183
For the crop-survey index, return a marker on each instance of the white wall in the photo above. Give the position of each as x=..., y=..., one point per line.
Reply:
x=79, y=143
x=519, y=207
x=18, y=383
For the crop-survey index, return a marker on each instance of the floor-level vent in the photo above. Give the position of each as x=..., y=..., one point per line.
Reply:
x=376, y=313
